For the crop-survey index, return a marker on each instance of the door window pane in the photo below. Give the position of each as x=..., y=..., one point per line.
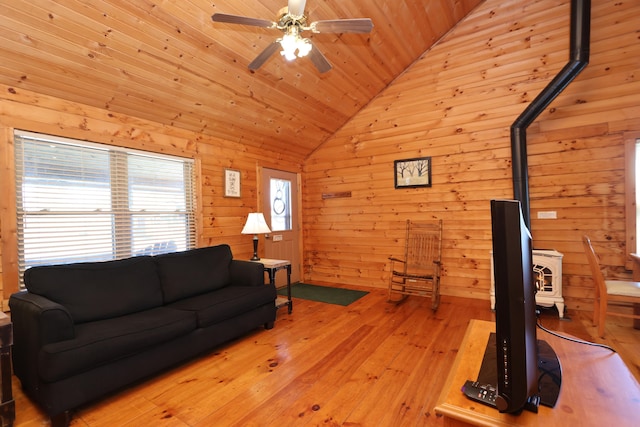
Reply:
x=280, y=205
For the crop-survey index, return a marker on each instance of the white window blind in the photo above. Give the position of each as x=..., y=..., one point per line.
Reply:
x=79, y=201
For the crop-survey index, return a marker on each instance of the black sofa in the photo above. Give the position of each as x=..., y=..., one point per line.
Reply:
x=84, y=330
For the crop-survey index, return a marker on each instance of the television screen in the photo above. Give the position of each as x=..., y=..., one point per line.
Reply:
x=516, y=343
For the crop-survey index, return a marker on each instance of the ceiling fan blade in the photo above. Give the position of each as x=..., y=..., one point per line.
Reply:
x=356, y=25
x=264, y=55
x=319, y=60
x=296, y=7
x=242, y=20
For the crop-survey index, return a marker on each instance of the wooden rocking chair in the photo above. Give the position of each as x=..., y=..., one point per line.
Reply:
x=419, y=272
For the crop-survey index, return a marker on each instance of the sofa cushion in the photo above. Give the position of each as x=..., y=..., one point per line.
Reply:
x=103, y=341
x=98, y=290
x=226, y=303
x=193, y=272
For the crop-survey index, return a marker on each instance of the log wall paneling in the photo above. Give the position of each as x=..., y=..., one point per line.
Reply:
x=456, y=104
x=219, y=219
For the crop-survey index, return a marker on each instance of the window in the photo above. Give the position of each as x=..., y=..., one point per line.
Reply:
x=79, y=201
x=636, y=249
x=280, y=204
x=636, y=191
x=632, y=190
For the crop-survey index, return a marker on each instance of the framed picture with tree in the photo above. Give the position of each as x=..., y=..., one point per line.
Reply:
x=412, y=172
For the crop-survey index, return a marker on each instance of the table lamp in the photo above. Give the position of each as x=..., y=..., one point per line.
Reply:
x=255, y=225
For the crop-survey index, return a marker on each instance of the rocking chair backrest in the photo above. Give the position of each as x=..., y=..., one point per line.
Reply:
x=423, y=247
x=594, y=263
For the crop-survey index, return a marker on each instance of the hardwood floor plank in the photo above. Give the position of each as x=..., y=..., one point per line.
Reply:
x=313, y=365
x=333, y=398
x=402, y=395
x=371, y=363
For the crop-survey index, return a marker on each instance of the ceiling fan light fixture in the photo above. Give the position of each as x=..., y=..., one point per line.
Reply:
x=292, y=43
x=289, y=45
x=292, y=21
x=304, y=47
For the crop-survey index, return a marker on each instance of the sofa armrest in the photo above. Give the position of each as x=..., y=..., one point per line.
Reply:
x=36, y=321
x=246, y=273
x=36, y=314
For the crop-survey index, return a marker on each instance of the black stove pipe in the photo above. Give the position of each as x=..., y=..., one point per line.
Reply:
x=578, y=59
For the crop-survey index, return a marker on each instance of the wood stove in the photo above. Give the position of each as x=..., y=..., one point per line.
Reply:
x=547, y=269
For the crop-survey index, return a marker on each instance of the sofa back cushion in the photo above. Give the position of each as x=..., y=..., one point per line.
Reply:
x=193, y=272
x=98, y=290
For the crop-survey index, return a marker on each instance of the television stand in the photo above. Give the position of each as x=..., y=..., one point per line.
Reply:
x=549, y=380
x=598, y=387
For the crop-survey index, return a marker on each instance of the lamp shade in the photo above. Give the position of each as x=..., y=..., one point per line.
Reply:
x=255, y=224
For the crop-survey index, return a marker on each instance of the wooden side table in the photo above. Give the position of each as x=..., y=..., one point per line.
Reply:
x=272, y=266
x=597, y=387
x=7, y=404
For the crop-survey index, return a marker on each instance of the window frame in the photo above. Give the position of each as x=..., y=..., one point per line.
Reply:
x=188, y=214
x=630, y=141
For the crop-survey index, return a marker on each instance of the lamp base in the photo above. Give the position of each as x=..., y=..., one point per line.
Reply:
x=255, y=248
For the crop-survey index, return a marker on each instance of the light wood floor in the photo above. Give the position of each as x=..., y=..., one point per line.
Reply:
x=369, y=364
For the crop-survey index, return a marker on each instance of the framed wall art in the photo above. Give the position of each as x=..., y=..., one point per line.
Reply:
x=231, y=183
x=412, y=172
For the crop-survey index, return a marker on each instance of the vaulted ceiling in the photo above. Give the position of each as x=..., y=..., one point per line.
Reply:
x=167, y=61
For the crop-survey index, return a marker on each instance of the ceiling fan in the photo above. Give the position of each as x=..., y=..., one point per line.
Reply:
x=292, y=21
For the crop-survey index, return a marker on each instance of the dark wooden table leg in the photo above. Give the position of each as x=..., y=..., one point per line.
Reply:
x=289, y=288
x=7, y=404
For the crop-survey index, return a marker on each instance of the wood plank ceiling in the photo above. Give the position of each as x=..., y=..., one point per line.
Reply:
x=166, y=61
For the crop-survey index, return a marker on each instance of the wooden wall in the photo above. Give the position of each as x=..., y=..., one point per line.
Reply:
x=456, y=104
x=220, y=219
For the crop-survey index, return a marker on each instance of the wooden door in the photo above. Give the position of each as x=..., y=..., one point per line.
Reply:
x=281, y=211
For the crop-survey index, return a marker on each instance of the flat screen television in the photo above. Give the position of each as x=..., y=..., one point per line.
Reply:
x=516, y=341
x=528, y=371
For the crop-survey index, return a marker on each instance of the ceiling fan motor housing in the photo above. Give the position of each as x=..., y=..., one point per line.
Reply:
x=286, y=20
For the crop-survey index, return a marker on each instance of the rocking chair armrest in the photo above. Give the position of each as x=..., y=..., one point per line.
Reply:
x=397, y=260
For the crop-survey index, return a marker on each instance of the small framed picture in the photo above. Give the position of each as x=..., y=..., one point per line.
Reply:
x=231, y=183
x=412, y=172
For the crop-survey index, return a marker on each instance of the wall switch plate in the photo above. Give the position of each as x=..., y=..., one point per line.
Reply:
x=547, y=215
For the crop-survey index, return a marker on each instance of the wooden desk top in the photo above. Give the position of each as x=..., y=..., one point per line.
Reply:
x=597, y=387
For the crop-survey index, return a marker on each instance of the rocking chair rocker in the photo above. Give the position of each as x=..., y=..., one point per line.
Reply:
x=419, y=272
